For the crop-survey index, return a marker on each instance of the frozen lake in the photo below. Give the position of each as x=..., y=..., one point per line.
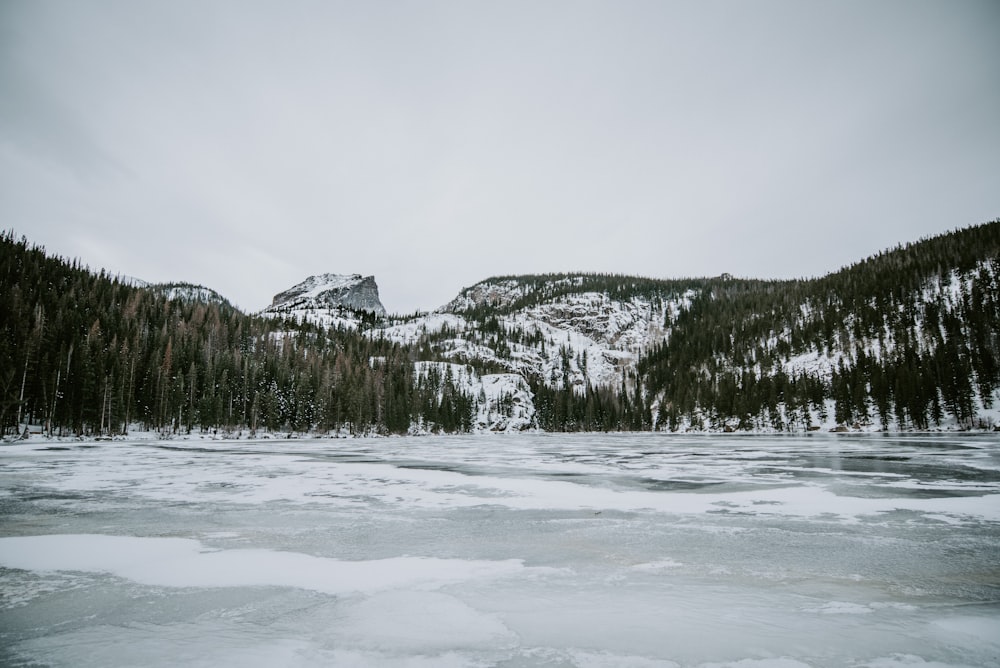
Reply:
x=545, y=550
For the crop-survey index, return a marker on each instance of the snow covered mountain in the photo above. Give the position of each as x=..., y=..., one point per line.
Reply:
x=906, y=339
x=187, y=292
x=564, y=330
x=329, y=300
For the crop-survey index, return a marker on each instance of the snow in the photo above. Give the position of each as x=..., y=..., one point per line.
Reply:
x=498, y=386
x=411, y=331
x=611, y=333
x=497, y=293
x=334, y=318
x=504, y=402
x=314, y=286
x=189, y=293
x=814, y=363
x=180, y=562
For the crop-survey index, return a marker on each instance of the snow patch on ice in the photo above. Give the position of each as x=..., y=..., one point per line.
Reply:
x=182, y=562
x=841, y=608
x=657, y=566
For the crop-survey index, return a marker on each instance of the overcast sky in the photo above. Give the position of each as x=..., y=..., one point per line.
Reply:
x=246, y=145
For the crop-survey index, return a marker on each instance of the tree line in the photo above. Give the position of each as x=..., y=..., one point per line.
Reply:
x=904, y=339
x=85, y=353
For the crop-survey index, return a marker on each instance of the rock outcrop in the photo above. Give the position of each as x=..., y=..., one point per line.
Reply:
x=331, y=291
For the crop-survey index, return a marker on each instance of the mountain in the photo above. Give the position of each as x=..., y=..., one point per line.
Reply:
x=84, y=353
x=573, y=330
x=903, y=340
x=329, y=300
x=332, y=291
x=906, y=339
x=185, y=292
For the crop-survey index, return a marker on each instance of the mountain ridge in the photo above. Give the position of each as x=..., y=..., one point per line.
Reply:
x=905, y=339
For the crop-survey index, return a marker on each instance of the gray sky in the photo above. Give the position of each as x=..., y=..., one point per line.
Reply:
x=246, y=145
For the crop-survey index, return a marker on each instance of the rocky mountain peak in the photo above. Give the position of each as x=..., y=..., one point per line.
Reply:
x=329, y=291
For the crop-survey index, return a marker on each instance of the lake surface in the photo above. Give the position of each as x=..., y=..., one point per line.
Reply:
x=590, y=551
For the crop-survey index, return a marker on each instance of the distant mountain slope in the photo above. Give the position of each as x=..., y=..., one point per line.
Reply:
x=905, y=339
x=508, y=294
x=561, y=329
x=902, y=339
x=187, y=292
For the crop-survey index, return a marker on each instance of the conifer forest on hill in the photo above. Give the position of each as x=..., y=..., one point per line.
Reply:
x=908, y=339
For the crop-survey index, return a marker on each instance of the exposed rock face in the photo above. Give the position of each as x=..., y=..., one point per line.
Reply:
x=493, y=293
x=569, y=335
x=328, y=291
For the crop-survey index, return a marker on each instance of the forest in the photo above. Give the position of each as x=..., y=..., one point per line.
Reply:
x=83, y=353
x=914, y=332
x=901, y=340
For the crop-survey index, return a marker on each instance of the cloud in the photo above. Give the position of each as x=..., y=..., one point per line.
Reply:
x=246, y=145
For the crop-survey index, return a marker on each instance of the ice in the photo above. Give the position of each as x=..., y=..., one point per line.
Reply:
x=179, y=562
x=910, y=661
x=841, y=608
x=759, y=663
x=421, y=623
x=607, y=660
x=509, y=551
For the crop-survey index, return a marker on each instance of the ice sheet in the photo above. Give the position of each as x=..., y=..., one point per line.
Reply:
x=576, y=551
x=346, y=475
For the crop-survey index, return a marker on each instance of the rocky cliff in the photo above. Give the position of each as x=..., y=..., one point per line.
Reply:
x=331, y=291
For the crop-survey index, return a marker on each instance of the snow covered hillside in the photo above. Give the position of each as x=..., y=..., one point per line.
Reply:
x=563, y=331
x=502, y=401
x=503, y=337
x=187, y=292
x=940, y=294
x=906, y=339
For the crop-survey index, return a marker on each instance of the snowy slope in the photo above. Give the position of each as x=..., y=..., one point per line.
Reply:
x=189, y=293
x=563, y=332
x=575, y=337
x=945, y=293
x=503, y=401
x=876, y=352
